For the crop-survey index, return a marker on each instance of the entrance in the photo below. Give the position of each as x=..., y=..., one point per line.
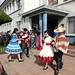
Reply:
x=52, y=23
x=35, y=23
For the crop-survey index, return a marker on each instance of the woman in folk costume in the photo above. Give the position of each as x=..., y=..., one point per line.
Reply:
x=61, y=45
x=46, y=54
x=13, y=47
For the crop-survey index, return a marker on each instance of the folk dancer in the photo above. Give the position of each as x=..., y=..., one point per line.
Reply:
x=13, y=47
x=26, y=41
x=46, y=54
x=61, y=46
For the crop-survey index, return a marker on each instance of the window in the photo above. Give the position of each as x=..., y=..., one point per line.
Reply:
x=13, y=3
x=52, y=2
x=65, y=0
x=18, y=24
x=5, y=9
x=18, y=3
x=71, y=25
x=10, y=5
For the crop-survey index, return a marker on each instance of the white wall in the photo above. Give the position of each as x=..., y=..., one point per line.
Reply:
x=69, y=7
x=7, y=26
x=27, y=23
x=26, y=5
x=29, y=5
x=60, y=1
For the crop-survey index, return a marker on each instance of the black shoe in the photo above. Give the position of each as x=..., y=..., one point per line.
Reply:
x=20, y=60
x=45, y=68
x=27, y=56
x=10, y=60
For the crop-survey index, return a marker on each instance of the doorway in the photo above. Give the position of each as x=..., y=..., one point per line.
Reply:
x=52, y=23
x=35, y=23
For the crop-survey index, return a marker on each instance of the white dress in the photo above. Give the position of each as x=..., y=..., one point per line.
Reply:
x=47, y=54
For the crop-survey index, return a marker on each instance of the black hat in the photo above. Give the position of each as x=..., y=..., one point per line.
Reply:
x=25, y=29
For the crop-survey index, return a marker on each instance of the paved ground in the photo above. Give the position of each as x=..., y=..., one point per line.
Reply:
x=33, y=66
x=71, y=50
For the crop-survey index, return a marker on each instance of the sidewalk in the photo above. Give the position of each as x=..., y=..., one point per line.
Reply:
x=33, y=66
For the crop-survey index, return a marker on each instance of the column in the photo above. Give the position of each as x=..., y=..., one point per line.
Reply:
x=40, y=33
x=44, y=22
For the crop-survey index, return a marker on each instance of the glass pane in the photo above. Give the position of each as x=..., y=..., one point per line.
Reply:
x=71, y=26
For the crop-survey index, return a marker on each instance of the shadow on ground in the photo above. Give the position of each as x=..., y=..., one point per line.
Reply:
x=38, y=61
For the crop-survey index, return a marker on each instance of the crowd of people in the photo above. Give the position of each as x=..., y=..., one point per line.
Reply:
x=53, y=47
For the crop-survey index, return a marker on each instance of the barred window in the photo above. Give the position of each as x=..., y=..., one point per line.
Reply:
x=71, y=25
x=18, y=3
x=13, y=3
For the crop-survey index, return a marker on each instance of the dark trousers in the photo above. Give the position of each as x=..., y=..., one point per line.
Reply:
x=22, y=50
x=27, y=48
x=23, y=47
x=58, y=58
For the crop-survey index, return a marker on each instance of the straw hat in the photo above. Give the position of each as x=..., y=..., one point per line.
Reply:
x=60, y=29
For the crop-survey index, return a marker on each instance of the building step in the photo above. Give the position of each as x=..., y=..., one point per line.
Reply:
x=71, y=52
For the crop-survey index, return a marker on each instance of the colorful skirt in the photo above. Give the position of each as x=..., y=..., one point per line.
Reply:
x=46, y=55
x=13, y=48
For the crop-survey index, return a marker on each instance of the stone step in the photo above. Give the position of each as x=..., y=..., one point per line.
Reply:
x=71, y=52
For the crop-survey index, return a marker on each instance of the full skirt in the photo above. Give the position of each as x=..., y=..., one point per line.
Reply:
x=46, y=54
x=13, y=48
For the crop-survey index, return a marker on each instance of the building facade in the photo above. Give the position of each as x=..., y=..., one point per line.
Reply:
x=40, y=15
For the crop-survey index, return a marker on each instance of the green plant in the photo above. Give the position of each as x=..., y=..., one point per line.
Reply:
x=4, y=18
x=2, y=49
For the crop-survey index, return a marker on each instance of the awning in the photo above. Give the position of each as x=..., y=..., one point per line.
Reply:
x=48, y=9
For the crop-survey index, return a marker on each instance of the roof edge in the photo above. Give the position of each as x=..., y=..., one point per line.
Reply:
x=46, y=7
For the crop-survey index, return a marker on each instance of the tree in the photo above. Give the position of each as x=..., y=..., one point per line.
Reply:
x=4, y=18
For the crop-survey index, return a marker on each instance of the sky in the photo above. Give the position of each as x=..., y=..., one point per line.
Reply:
x=1, y=1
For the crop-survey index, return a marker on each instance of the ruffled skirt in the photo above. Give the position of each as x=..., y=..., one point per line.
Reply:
x=46, y=54
x=13, y=48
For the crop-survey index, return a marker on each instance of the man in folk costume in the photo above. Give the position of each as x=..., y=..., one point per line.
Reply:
x=61, y=45
x=21, y=42
x=26, y=41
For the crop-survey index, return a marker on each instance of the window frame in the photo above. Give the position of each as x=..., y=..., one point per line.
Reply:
x=71, y=19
